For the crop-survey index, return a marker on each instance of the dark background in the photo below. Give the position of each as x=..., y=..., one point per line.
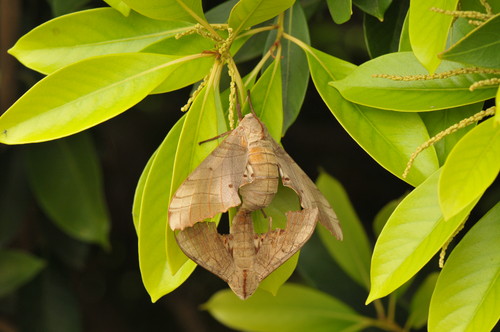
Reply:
x=103, y=290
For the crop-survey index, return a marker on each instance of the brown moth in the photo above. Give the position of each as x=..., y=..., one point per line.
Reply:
x=249, y=163
x=242, y=258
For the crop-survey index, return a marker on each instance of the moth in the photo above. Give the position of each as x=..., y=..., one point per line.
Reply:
x=242, y=258
x=248, y=163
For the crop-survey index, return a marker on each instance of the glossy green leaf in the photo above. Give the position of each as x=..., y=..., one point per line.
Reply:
x=353, y=253
x=429, y=30
x=404, y=39
x=419, y=305
x=150, y=218
x=16, y=269
x=378, y=132
x=50, y=303
x=247, y=13
x=120, y=6
x=340, y=10
x=169, y=10
x=480, y=47
x=295, y=72
x=72, y=38
x=220, y=13
x=412, y=235
x=139, y=192
x=101, y=88
x=66, y=179
x=294, y=308
x=497, y=102
x=278, y=277
x=467, y=290
x=375, y=8
x=439, y=121
x=185, y=74
x=294, y=69
x=383, y=37
x=410, y=96
x=204, y=120
x=470, y=169
x=186, y=45
x=267, y=99
x=383, y=215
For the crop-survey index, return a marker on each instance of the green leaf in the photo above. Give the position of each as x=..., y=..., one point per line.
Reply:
x=295, y=72
x=220, y=13
x=295, y=308
x=470, y=169
x=139, y=192
x=410, y=96
x=404, y=39
x=412, y=235
x=353, y=253
x=66, y=179
x=101, y=88
x=278, y=277
x=268, y=101
x=294, y=69
x=436, y=122
x=480, y=47
x=375, y=8
x=466, y=295
x=150, y=217
x=16, y=269
x=72, y=38
x=378, y=132
x=247, y=13
x=204, y=120
x=340, y=10
x=429, y=30
x=419, y=306
x=50, y=304
x=383, y=215
x=120, y=6
x=169, y=10
x=497, y=103
x=383, y=37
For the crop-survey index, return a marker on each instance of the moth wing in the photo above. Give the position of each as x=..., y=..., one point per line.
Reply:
x=207, y=248
x=213, y=186
x=280, y=244
x=310, y=196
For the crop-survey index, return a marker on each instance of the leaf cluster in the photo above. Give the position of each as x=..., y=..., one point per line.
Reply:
x=429, y=71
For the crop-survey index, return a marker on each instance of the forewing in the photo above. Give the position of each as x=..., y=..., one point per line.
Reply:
x=277, y=246
x=310, y=196
x=213, y=186
x=206, y=247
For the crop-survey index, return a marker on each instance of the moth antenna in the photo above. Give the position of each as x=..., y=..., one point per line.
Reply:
x=250, y=104
x=238, y=107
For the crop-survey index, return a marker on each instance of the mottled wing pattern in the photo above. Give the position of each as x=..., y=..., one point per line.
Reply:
x=213, y=186
x=205, y=246
x=310, y=196
x=277, y=246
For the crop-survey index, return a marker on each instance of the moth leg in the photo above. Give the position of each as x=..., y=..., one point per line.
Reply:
x=216, y=137
x=269, y=219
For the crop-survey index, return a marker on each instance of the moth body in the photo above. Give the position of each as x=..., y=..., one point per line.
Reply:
x=263, y=176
